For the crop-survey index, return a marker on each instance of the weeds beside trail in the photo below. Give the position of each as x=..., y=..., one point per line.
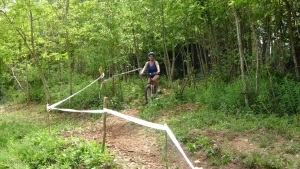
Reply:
x=25, y=141
x=222, y=139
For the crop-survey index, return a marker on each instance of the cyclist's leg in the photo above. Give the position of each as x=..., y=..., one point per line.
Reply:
x=147, y=94
x=155, y=82
x=148, y=90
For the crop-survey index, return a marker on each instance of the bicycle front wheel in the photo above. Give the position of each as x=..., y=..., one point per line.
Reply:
x=148, y=94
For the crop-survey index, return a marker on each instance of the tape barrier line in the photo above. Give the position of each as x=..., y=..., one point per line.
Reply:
x=124, y=116
x=173, y=138
x=58, y=103
x=116, y=76
x=136, y=120
x=79, y=111
x=164, y=127
x=102, y=76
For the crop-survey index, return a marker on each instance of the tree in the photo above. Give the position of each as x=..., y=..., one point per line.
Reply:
x=289, y=7
x=29, y=44
x=241, y=51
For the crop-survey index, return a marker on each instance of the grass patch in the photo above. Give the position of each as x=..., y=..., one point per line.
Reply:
x=25, y=142
x=271, y=141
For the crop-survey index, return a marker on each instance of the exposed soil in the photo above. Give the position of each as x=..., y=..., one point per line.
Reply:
x=138, y=147
x=141, y=147
x=135, y=146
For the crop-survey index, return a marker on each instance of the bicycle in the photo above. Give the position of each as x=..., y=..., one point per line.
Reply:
x=150, y=89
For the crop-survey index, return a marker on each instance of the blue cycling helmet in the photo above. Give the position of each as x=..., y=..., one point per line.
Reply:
x=151, y=53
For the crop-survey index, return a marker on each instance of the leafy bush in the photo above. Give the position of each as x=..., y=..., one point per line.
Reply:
x=220, y=95
x=280, y=96
x=41, y=150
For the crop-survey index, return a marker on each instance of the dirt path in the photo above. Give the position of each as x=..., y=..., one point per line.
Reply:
x=139, y=147
x=135, y=146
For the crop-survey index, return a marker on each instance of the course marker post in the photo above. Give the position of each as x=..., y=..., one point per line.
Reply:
x=49, y=119
x=104, y=125
x=166, y=149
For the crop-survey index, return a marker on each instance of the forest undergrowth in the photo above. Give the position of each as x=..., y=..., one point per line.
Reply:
x=271, y=123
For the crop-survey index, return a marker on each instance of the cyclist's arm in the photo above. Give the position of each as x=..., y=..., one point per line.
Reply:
x=143, y=69
x=157, y=66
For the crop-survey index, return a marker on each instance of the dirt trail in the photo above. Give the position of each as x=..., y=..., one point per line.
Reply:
x=139, y=147
x=135, y=146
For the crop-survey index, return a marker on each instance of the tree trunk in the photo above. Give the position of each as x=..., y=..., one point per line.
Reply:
x=69, y=66
x=256, y=46
x=36, y=60
x=173, y=66
x=290, y=26
x=27, y=83
x=239, y=37
x=136, y=47
x=135, y=42
x=166, y=55
x=201, y=60
x=68, y=53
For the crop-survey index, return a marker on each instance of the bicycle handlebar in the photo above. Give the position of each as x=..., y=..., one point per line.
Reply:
x=149, y=74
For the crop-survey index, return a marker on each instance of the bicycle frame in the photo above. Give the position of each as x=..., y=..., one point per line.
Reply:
x=150, y=89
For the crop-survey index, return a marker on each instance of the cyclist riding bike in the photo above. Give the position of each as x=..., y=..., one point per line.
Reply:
x=153, y=70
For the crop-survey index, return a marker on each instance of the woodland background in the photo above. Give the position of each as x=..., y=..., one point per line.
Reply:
x=234, y=55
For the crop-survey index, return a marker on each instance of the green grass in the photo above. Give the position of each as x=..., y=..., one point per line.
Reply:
x=26, y=142
x=266, y=131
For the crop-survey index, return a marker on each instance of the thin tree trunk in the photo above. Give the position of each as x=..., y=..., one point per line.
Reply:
x=166, y=55
x=17, y=80
x=256, y=45
x=239, y=37
x=135, y=42
x=136, y=47
x=201, y=60
x=67, y=40
x=27, y=83
x=174, y=56
x=37, y=62
x=289, y=8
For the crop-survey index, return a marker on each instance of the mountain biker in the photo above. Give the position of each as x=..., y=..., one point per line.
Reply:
x=153, y=68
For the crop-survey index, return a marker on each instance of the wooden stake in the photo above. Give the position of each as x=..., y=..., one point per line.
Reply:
x=166, y=149
x=49, y=119
x=104, y=125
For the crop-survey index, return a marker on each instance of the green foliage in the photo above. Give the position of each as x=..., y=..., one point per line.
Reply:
x=152, y=110
x=220, y=95
x=41, y=151
x=11, y=131
x=123, y=93
x=292, y=147
x=260, y=160
x=24, y=144
x=278, y=97
x=196, y=143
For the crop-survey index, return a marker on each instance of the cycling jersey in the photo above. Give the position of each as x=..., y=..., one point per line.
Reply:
x=152, y=69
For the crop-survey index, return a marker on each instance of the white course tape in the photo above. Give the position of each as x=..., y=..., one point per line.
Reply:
x=136, y=120
x=58, y=103
x=79, y=111
x=124, y=116
x=116, y=76
x=173, y=138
